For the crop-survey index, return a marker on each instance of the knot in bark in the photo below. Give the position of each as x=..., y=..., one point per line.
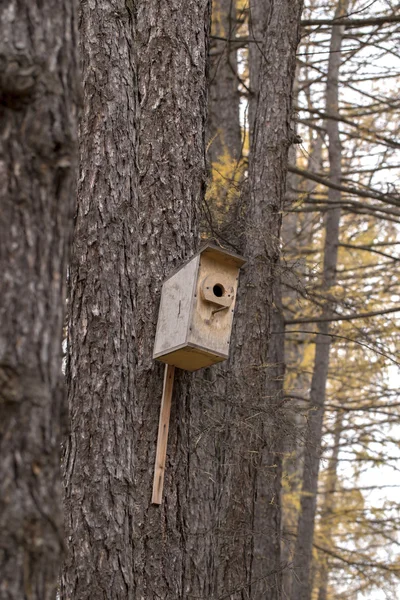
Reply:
x=19, y=76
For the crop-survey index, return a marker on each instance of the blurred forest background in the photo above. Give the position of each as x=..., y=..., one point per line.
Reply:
x=339, y=276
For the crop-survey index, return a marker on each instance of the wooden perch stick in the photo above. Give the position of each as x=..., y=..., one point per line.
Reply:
x=163, y=426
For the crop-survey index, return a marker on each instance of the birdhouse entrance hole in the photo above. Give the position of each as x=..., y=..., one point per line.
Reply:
x=218, y=290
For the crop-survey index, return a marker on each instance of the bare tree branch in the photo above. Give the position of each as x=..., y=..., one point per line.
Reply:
x=344, y=188
x=373, y=313
x=349, y=23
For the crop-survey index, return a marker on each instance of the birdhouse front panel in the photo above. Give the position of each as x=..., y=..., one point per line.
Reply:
x=212, y=318
x=196, y=311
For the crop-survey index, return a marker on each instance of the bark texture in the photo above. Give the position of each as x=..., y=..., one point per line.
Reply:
x=302, y=580
x=38, y=101
x=250, y=509
x=223, y=118
x=141, y=182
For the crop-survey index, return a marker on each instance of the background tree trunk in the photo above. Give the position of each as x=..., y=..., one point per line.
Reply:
x=251, y=510
x=38, y=96
x=293, y=243
x=328, y=505
x=302, y=584
x=257, y=16
x=142, y=180
x=223, y=118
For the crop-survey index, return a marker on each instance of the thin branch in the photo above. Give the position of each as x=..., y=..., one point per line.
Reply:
x=369, y=249
x=344, y=188
x=342, y=317
x=340, y=337
x=349, y=23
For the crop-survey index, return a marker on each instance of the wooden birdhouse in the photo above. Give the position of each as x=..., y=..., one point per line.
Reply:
x=193, y=330
x=196, y=310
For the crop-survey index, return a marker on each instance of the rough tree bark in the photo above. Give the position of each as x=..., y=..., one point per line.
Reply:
x=38, y=102
x=223, y=117
x=250, y=510
x=141, y=182
x=302, y=584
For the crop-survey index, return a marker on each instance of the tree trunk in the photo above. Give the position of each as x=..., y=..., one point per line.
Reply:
x=223, y=118
x=141, y=184
x=302, y=585
x=38, y=101
x=250, y=515
x=293, y=242
x=290, y=449
x=328, y=505
x=257, y=15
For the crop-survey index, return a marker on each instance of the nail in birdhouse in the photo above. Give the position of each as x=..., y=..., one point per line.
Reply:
x=196, y=311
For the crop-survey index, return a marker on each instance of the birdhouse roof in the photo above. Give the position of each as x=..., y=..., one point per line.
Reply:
x=222, y=255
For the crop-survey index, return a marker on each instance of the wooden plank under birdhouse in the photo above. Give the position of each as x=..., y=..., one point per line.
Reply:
x=163, y=427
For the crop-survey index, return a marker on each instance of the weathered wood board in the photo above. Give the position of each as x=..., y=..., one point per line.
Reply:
x=175, y=308
x=163, y=428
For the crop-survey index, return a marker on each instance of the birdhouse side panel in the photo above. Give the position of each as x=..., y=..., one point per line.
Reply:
x=212, y=317
x=175, y=309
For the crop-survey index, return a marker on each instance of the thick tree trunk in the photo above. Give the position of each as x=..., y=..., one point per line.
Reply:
x=302, y=585
x=250, y=515
x=141, y=184
x=223, y=117
x=38, y=100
